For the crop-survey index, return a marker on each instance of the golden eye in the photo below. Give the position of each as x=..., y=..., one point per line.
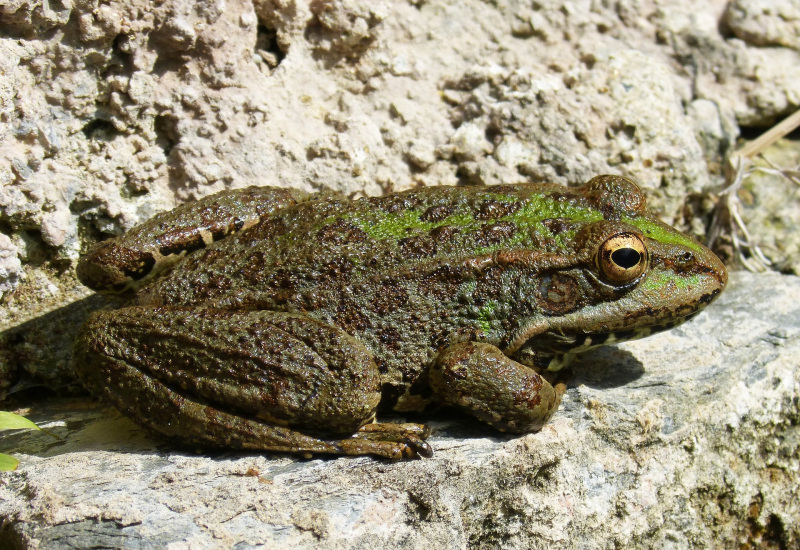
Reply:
x=622, y=258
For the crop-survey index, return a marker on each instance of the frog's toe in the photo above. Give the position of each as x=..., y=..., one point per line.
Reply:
x=411, y=448
x=420, y=448
x=399, y=440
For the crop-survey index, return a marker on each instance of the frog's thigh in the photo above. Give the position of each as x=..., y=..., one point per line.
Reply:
x=253, y=380
x=478, y=378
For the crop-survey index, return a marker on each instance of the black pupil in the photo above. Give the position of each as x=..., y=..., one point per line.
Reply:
x=626, y=258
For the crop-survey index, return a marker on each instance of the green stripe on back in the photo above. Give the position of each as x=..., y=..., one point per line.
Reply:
x=381, y=225
x=664, y=234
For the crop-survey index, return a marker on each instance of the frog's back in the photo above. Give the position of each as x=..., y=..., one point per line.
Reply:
x=319, y=245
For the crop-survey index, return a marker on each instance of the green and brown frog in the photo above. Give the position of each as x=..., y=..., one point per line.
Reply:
x=270, y=319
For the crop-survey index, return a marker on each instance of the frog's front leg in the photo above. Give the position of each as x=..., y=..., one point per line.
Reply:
x=481, y=380
x=248, y=379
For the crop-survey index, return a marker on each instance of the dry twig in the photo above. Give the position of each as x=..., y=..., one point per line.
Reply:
x=727, y=214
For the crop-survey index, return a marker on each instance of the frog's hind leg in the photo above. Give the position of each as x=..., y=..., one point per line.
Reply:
x=122, y=263
x=257, y=380
x=226, y=430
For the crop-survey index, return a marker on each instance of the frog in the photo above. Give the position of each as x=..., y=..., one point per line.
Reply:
x=270, y=319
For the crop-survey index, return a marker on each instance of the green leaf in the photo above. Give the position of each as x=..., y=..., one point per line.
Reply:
x=8, y=463
x=11, y=421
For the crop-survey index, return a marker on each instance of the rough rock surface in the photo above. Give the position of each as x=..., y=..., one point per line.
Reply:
x=687, y=439
x=765, y=22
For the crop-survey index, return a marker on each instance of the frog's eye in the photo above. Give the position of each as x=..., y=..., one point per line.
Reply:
x=622, y=258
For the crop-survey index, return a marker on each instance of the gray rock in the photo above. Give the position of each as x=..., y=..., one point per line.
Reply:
x=687, y=439
x=765, y=22
x=767, y=201
x=10, y=266
x=596, y=117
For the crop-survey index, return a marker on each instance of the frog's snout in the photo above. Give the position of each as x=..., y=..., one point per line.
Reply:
x=714, y=275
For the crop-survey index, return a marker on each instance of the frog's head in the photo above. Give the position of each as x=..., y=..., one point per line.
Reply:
x=631, y=276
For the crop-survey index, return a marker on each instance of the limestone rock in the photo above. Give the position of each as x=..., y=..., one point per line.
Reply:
x=10, y=266
x=765, y=22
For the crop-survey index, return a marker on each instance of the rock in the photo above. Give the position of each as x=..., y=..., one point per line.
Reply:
x=686, y=439
x=765, y=22
x=596, y=117
x=10, y=266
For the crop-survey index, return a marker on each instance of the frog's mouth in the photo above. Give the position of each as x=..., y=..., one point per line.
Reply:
x=554, y=349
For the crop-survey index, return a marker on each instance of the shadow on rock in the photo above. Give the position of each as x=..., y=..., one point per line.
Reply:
x=605, y=368
x=36, y=356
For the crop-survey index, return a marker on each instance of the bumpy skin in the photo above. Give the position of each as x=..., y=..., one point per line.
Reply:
x=289, y=326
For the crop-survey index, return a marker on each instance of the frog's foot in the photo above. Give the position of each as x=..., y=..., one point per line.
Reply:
x=410, y=435
x=480, y=379
x=222, y=429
